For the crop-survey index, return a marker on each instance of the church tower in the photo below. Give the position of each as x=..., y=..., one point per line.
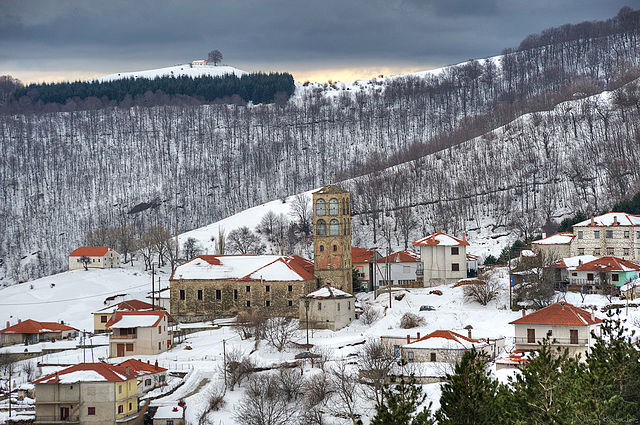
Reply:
x=332, y=237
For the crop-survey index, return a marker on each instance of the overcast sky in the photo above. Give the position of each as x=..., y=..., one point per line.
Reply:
x=52, y=40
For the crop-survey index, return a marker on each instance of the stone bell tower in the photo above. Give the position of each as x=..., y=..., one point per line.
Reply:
x=332, y=237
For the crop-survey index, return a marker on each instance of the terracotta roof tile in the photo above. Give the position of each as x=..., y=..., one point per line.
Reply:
x=90, y=251
x=34, y=327
x=560, y=313
x=401, y=257
x=609, y=264
x=119, y=315
x=440, y=239
x=109, y=372
x=361, y=255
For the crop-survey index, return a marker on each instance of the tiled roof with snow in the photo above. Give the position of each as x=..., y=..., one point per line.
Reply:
x=447, y=340
x=570, y=263
x=135, y=319
x=331, y=188
x=90, y=251
x=401, y=257
x=33, y=327
x=560, y=313
x=514, y=358
x=611, y=219
x=129, y=305
x=328, y=291
x=87, y=372
x=245, y=267
x=139, y=368
x=563, y=238
x=440, y=239
x=609, y=264
x=361, y=255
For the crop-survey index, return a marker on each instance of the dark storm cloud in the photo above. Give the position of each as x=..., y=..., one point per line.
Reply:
x=345, y=32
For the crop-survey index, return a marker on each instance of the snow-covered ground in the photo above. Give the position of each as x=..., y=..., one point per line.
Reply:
x=183, y=70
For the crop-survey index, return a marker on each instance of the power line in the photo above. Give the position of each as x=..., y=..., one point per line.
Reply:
x=73, y=299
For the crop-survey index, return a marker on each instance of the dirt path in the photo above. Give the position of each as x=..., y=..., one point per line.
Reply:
x=202, y=383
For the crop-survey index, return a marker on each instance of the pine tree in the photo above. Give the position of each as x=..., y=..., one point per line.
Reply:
x=401, y=402
x=469, y=396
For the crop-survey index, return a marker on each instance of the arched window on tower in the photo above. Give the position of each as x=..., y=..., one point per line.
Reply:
x=334, y=227
x=321, y=228
x=344, y=211
x=334, y=207
x=344, y=226
x=321, y=207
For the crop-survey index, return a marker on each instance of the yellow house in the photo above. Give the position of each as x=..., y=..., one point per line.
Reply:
x=102, y=316
x=88, y=393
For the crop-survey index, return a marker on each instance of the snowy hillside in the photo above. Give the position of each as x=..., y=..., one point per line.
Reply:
x=183, y=70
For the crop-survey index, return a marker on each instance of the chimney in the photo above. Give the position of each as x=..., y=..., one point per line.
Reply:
x=418, y=337
x=408, y=339
x=544, y=235
x=156, y=364
x=593, y=316
x=19, y=320
x=464, y=236
x=592, y=222
x=523, y=312
x=579, y=262
x=8, y=323
x=615, y=220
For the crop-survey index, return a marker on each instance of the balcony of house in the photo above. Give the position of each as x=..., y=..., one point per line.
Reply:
x=529, y=343
x=124, y=333
x=70, y=402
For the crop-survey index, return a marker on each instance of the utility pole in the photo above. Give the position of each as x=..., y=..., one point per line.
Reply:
x=306, y=313
x=153, y=280
x=388, y=274
x=224, y=360
x=10, y=370
x=510, y=279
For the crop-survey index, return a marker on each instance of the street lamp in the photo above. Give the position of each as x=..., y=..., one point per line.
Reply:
x=307, y=301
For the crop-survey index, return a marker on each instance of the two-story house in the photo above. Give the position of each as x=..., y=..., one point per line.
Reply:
x=593, y=275
x=97, y=257
x=443, y=257
x=87, y=393
x=149, y=376
x=139, y=333
x=327, y=308
x=568, y=326
x=102, y=316
x=363, y=262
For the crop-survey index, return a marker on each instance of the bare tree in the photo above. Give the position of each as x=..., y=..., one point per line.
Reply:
x=250, y=324
x=279, y=331
x=221, y=245
x=411, y=320
x=215, y=56
x=302, y=213
x=263, y=403
x=376, y=361
x=290, y=384
x=369, y=314
x=85, y=262
x=345, y=383
x=238, y=367
x=191, y=248
x=244, y=241
x=481, y=292
x=317, y=390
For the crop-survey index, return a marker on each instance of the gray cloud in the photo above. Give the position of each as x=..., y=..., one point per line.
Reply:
x=117, y=35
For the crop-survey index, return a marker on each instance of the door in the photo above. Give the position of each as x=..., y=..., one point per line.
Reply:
x=64, y=413
x=573, y=336
x=120, y=350
x=531, y=336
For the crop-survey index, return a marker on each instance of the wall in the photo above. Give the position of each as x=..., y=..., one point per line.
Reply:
x=437, y=261
x=148, y=340
x=618, y=242
x=334, y=314
x=399, y=272
x=110, y=259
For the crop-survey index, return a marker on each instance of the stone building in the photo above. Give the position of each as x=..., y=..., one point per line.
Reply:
x=327, y=308
x=612, y=234
x=95, y=257
x=332, y=237
x=447, y=346
x=212, y=286
x=443, y=257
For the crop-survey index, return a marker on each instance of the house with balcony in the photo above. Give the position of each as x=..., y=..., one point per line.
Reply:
x=443, y=258
x=149, y=376
x=568, y=326
x=399, y=268
x=599, y=274
x=87, y=393
x=139, y=333
x=102, y=316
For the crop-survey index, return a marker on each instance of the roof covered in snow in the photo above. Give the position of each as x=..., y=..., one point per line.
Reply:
x=611, y=219
x=446, y=340
x=87, y=372
x=34, y=327
x=401, y=257
x=560, y=313
x=571, y=263
x=245, y=267
x=136, y=319
x=563, y=238
x=168, y=412
x=609, y=264
x=440, y=239
x=129, y=305
x=328, y=291
x=139, y=368
x=331, y=188
x=91, y=251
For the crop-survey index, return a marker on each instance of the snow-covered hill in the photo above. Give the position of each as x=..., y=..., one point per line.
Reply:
x=183, y=70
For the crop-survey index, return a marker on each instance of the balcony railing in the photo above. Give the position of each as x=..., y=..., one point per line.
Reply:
x=554, y=341
x=72, y=402
x=72, y=419
x=124, y=336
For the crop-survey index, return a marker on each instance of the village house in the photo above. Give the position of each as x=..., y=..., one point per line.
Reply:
x=568, y=326
x=597, y=274
x=139, y=333
x=612, y=234
x=169, y=415
x=555, y=246
x=87, y=393
x=31, y=332
x=211, y=286
x=95, y=257
x=402, y=268
x=447, y=346
x=161, y=298
x=363, y=262
x=149, y=376
x=327, y=308
x=443, y=257
x=102, y=316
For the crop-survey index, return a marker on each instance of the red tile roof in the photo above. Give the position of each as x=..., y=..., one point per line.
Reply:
x=401, y=257
x=90, y=251
x=33, y=327
x=361, y=255
x=560, y=313
x=441, y=239
x=139, y=368
x=130, y=305
x=119, y=315
x=609, y=264
x=109, y=372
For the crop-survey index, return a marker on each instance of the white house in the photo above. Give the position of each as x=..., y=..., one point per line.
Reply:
x=443, y=257
x=139, y=333
x=569, y=327
x=447, y=346
x=555, y=246
x=97, y=257
x=327, y=308
x=591, y=276
x=403, y=266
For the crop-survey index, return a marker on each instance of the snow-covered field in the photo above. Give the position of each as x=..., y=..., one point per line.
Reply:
x=183, y=70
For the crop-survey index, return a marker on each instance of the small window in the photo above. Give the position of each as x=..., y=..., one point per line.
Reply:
x=218, y=294
x=182, y=294
x=580, y=234
x=200, y=294
x=267, y=303
x=338, y=304
x=248, y=288
x=248, y=303
x=590, y=276
x=91, y=411
x=129, y=347
x=596, y=251
x=348, y=305
x=580, y=251
x=611, y=250
x=615, y=277
x=235, y=294
x=321, y=248
x=120, y=408
x=160, y=345
x=335, y=248
x=159, y=329
x=290, y=303
x=103, y=319
x=130, y=406
x=410, y=355
x=455, y=250
x=120, y=389
x=455, y=267
x=147, y=382
x=319, y=306
x=638, y=234
x=626, y=251
x=267, y=288
x=596, y=234
x=290, y=288
x=574, y=274
x=608, y=234
x=626, y=234
x=433, y=357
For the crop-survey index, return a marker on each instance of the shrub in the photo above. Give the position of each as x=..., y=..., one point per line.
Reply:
x=411, y=320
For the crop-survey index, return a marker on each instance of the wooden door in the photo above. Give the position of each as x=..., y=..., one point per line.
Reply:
x=120, y=350
x=573, y=336
x=531, y=336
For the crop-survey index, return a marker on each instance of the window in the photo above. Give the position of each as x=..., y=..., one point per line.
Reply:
x=159, y=329
x=596, y=251
x=319, y=306
x=580, y=251
x=235, y=294
x=218, y=294
x=267, y=303
x=590, y=276
x=455, y=250
x=626, y=251
x=103, y=319
x=321, y=207
x=248, y=303
x=335, y=248
x=432, y=357
x=334, y=207
x=615, y=277
x=574, y=274
x=608, y=234
x=638, y=234
x=129, y=347
x=267, y=288
x=91, y=411
x=182, y=294
x=248, y=288
x=348, y=305
x=120, y=408
x=580, y=234
x=160, y=345
x=406, y=269
x=290, y=288
x=338, y=304
x=611, y=251
x=410, y=355
x=455, y=267
x=344, y=210
x=596, y=234
x=169, y=422
x=147, y=382
x=531, y=336
x=200, y=294
x=321, y=248
x=321, y=228
x=130, y=406
x=120, y=389
x=290, y=303
x=334, y=227
x=626, y=234
x=344, y=226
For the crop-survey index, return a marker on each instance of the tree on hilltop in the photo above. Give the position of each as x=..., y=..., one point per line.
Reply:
x=215, y=56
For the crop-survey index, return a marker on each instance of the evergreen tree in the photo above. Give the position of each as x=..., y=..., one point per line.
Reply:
x=469, y=396
x=401, y=402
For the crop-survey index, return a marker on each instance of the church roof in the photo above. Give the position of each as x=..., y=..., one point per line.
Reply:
x=330, y=188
